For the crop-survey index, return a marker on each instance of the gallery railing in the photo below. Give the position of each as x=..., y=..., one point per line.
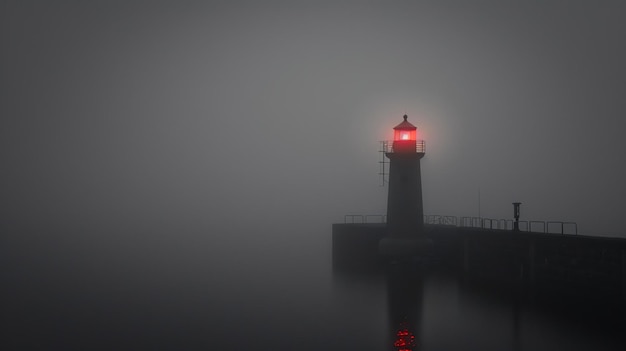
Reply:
x=387, y=146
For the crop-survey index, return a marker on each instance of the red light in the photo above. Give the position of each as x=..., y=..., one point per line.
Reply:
x=399, y=343
x=405, y=135
x=405, y=131
x=405, y=340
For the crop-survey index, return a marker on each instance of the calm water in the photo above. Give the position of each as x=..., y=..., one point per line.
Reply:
x=231, y=288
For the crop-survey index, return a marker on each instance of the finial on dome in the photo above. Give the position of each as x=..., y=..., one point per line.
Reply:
x=405, y=117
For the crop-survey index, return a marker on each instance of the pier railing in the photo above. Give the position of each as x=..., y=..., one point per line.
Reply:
x=358, y=218
x=553, y=227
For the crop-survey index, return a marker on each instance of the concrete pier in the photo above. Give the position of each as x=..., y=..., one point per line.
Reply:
x=567, y=266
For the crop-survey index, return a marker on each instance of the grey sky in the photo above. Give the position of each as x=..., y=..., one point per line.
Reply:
x=206, y=111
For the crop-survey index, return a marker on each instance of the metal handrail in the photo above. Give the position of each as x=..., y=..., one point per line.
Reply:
x=477, y=222
x=491, y=222
x=420, y=146
x=552, y=222
x=382, y=218
x=352, y=217
x=575, y=227
x=527, y=226
x=470, y=222
x=464, y=220
x=562, y=225
x=505, y=223
x=530, y=224
x=432, y=219
x=449, y=220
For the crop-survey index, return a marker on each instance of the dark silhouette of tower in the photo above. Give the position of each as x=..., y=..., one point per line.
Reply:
x=405, y=213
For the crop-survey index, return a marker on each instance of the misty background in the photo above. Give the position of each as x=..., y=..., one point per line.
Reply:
x=169, y=171
x=132, y=114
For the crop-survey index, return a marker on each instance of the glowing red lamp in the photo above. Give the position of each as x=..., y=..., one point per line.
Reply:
x=405, y=131
x=404, y=137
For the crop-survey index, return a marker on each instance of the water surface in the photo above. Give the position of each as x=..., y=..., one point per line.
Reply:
x=236, y=286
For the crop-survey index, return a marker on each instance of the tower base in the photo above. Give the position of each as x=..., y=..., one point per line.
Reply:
x=418, y=246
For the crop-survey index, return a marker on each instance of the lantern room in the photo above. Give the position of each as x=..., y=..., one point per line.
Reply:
x=405, y=138
x=405, y=131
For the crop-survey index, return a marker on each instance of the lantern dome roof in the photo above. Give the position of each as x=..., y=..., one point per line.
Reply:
x=405, y=125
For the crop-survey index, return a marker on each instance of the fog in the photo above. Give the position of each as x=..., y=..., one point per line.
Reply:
x=170, y=170
x=192, y=111
x=135, y=112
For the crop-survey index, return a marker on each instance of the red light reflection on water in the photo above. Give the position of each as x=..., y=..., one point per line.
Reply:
x=405, y=340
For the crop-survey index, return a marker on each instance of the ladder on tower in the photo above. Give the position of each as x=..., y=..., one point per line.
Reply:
x=383, y=163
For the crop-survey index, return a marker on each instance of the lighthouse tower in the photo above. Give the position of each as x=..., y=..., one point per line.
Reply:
x=405, y=212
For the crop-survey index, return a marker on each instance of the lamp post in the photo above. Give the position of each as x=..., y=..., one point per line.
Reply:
x=516, y=215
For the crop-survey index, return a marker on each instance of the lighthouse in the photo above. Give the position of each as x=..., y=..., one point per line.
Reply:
x=405, y=212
